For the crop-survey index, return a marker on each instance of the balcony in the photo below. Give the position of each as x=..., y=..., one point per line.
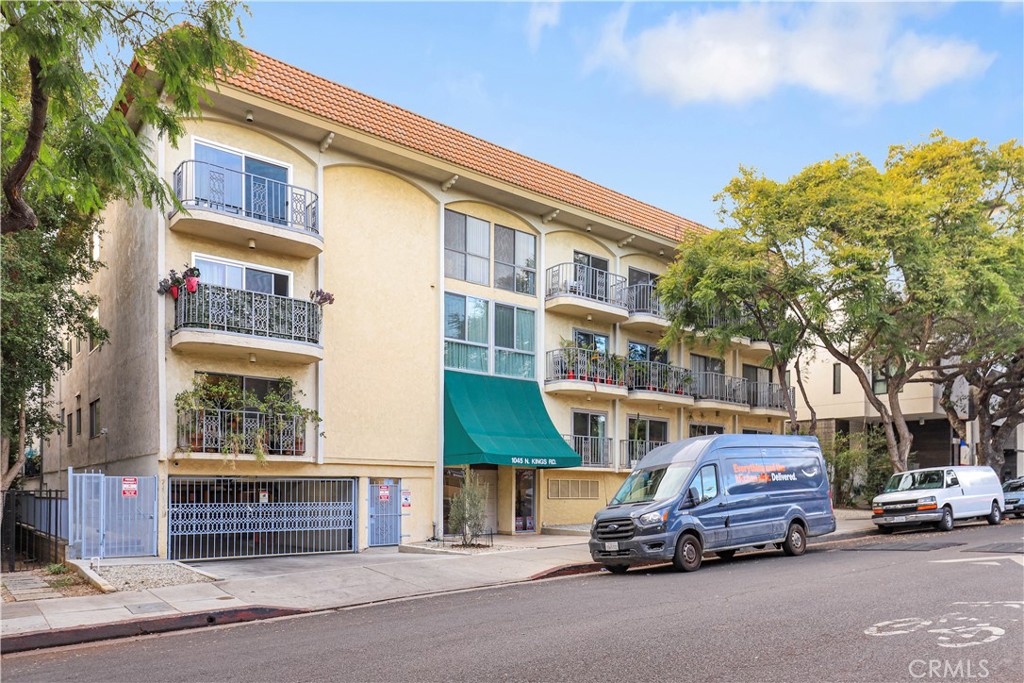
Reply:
x=768, y=398
x=632, y=450
x=232, y=323
x=575, y=371
x=654, y=382
x=235, y=207
x=595, y=451
x=715, y=390
x=586, y=292
x=239, y=431
x=646, y=313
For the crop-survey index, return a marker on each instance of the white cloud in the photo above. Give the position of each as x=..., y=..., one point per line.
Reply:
x=542, y=15
x=853, y=52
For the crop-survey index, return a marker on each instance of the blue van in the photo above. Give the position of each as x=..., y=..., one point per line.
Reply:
x=715, y=494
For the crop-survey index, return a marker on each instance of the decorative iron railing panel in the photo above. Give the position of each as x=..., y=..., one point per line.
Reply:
x=768, y=395
x=213, y=307
x=714, y=386
x=239, y=431
x=587, y=282
x=595, y=451
x=202, y=185
x=643, y=298
x=632, y=450
x=575, y=363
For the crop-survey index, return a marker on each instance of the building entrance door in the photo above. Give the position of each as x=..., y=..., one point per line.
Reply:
x=526, y=500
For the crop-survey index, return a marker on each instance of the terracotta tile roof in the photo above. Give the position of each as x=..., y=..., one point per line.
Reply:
x=294, y=87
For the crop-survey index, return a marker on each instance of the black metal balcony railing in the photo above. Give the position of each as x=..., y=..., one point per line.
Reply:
x=768, y=395
x=204, y=185
x=586, y=365
x=595, y=451
x=648, y=375
x=715, y=386
x=643, y=298
x=230, y=431
x=587, y=282
x=213, y=307
x=632, y=450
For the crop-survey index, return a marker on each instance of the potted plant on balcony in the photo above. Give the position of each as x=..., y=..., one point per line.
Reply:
x=191, y=276
x=287, y=419
x=170, y=284
x=570, y=354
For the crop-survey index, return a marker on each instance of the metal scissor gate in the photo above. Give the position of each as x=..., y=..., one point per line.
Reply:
x=227, y=517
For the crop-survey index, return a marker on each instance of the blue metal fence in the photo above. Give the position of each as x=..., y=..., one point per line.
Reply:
x=111, y=516
x=385, y=510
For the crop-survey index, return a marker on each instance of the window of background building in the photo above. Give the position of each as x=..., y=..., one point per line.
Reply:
x=879, y=381
x=78, y=421
x=94, y=419
x=466, y=333
x=837, y=378
x=69, y=426
x=514, y=354
x=515, y=260
x=467, y=248
x=94, y=341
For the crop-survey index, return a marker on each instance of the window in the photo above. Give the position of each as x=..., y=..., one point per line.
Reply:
x=591, y=340
x=78, y=421
x=705, y=430
x=68, y=427
x=94, y=341
x=789, y=378
x=94, y=419
x=238, y=275
x=699, y=363
x=466, y=333
x=237, y=183
x=69, y=353
x=837, y=378
x=645, y=352
x=641, y=277
x=879, y=381
x=706, y=483
x=515, y=260
x=78, y=344
x=647, y=429
x=577, y=489
x=513, y=341
x=467, y=248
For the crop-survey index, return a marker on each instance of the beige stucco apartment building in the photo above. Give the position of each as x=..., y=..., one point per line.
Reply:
x=492, y=313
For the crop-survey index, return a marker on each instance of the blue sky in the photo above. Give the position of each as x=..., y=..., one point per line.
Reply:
x=664, y=101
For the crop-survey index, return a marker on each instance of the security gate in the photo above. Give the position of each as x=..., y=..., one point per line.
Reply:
x=111, y=516
x=227, y=517
x=385, y=512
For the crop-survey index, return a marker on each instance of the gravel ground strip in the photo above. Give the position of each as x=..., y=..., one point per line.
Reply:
x=131, y=577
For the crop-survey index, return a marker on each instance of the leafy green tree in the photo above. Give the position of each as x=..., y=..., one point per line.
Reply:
x=871, y=264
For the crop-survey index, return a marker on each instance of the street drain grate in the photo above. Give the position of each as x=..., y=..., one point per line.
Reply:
x=997, y=548
x=910, y=547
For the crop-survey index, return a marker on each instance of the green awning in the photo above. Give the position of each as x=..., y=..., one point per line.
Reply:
x=500, y=421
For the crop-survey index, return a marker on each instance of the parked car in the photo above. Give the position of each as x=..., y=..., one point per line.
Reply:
x=938, y=495
x=1013, y=493
x=715, y=494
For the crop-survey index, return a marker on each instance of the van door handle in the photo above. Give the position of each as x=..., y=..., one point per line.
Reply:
x=722, y=504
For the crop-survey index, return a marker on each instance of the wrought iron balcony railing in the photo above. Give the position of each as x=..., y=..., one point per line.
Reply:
x=587, y=282
x=714, y=386
x=226, y=309
x=586, y=365
x=648, y=375
x=632, y=450
x=596, y=451
x=643, y=298
x=768, y=395
x=202, y=185
x=239, y=431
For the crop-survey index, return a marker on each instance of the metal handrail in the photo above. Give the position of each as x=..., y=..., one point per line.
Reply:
x=203, y=185
x=643, y=298
x=586, y=281
x=214, y=430
x=649, y=375
x=714, y=386
x=632, y=450
x=595, y=451
x=214, y=307
x=768, y=395
x=586, y=365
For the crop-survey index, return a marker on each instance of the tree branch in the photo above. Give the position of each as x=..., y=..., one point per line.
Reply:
x=19, y=215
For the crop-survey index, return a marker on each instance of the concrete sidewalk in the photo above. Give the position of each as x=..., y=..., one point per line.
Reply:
x=266, y=587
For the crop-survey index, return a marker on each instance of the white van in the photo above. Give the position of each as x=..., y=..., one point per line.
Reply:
x=939, y=495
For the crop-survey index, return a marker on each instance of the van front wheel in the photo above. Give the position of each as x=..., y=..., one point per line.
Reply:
x=996, y=516
x=947, y=520
x=689, y=553
x=796, y=540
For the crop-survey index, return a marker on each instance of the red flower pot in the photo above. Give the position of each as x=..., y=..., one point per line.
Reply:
x=191, y=284
x=174, y=291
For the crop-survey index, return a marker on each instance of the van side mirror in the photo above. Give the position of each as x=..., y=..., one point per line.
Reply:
x=692, y=498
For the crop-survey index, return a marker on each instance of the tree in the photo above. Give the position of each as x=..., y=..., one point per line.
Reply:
x=872, y=263
x=66, y=153
x=467, y=513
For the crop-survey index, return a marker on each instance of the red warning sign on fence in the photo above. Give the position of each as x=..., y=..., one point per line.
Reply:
x=383, y=494
x=130, y=487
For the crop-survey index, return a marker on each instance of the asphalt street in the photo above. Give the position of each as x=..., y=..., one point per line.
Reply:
x=918, y=606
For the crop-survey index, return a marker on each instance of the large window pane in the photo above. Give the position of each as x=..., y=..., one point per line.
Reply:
x=476, y=270
x=259, y=281
x=461, y=356
x=504, y=326
x=454, y=316
x=478, y=237
x=524, y=330
x=476, y=320
x=454, y=264
x=454, y=230
x=504, y=244
x=526, y=250
x=504, y=276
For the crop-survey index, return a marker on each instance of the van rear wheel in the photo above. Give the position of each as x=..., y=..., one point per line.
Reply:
x=796, y=540
x=996, y=516
x=689, y=553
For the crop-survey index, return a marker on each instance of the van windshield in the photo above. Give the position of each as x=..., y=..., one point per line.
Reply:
x=911, y=481
x=659, y=483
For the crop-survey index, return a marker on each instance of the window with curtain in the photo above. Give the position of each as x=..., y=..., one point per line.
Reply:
x=514, y=351
x=242, y=276
x=466, y=333
x=467, y=248
x=515, y=260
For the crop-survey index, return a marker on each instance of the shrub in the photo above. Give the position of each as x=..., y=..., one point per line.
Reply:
x=468, y=513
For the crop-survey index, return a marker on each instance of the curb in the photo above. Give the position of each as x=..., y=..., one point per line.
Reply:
x=20, y=642
x=97, y=581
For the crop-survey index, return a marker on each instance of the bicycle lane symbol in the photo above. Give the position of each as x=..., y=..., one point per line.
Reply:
x=954, y=629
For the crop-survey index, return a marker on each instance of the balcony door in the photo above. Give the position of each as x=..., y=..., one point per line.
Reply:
x=235, y=275
x=589, y=432
x=645, y=434
x=758, y=379
x=235, y=182
x=591, y=275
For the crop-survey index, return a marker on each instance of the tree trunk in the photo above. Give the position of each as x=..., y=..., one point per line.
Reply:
x=906, y=439
x=780, y=368
x=813, y=428
x=11, y=473
x=19, y=215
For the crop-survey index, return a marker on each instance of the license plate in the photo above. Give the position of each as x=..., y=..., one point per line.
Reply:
x=611, y=545
x=901, y=518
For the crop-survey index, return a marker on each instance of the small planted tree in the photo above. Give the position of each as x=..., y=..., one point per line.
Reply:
x=467, y=513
